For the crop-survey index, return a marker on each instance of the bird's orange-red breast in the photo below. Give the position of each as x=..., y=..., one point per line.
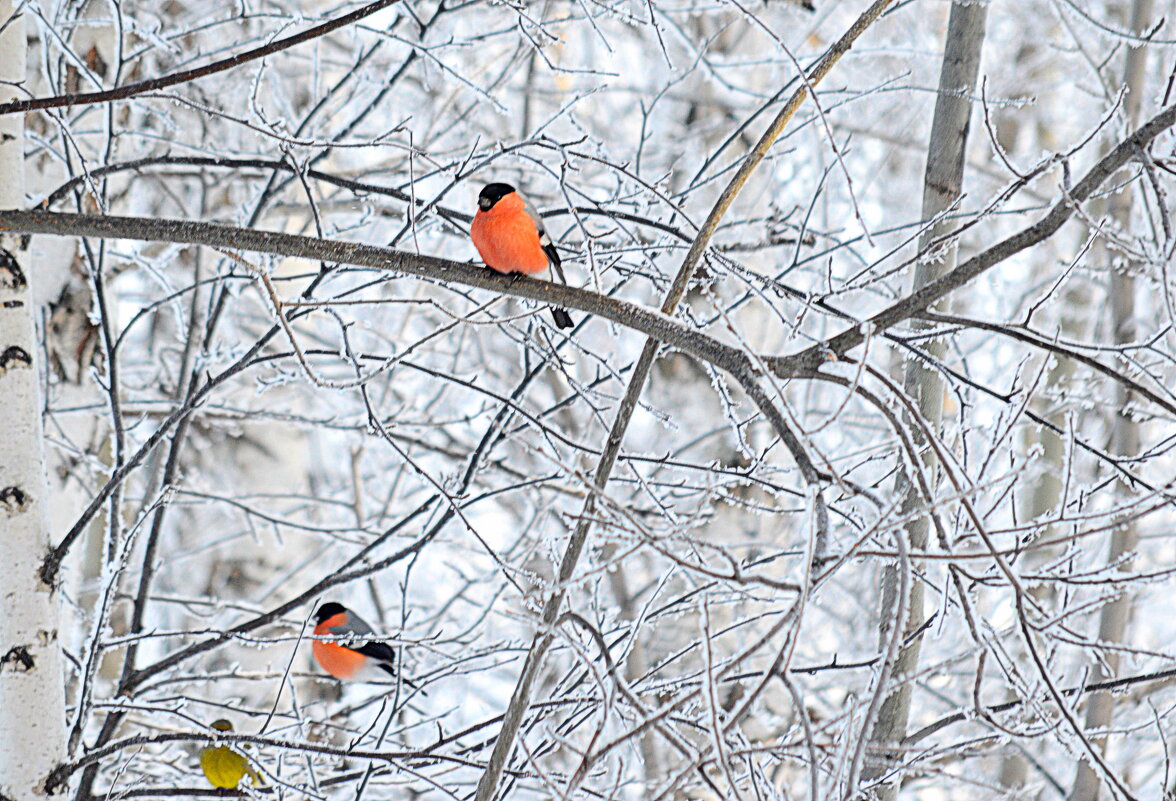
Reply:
x=354, y=657
x=339, y=660
x=510, y=237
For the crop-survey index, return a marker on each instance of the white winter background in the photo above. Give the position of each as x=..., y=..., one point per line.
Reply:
x=421, y=450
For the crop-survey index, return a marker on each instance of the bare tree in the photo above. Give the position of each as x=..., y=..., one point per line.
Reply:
x=902, y=608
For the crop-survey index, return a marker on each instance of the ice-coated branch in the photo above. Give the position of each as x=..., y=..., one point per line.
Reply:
x=185, y=76
x=927, y=296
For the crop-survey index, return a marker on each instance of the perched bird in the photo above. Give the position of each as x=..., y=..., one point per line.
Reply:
x=510, y=237
x=354, y=657
x=223, y=765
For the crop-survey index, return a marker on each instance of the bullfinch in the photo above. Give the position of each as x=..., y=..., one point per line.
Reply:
x=354, y=657
x=509, y=235
x=225, y=767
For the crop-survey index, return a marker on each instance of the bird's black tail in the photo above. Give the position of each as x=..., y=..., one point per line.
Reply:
x=562, y=318
x=391, y=671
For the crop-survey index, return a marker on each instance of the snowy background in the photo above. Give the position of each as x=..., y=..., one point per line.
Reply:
x=428, y=462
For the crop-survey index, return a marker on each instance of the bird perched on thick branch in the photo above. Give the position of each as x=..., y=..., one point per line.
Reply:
x=509, y=235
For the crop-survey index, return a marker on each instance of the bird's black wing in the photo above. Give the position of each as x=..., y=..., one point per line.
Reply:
x=386, y=659
x=552, y=254
x=352, y=633
x=380, y=651
x=562, y=318
x=544, y=239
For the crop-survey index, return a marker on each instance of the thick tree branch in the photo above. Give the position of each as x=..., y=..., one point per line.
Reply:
x=640, y=318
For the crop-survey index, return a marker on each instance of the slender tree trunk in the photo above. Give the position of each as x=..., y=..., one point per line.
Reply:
x=32, y=700
x=942, y=185
x=1112, y=624
x=1045, y=491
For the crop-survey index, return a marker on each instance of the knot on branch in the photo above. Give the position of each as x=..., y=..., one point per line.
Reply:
x=18, y=659
x=14, y=356
x=11, y=275
x=14, y=500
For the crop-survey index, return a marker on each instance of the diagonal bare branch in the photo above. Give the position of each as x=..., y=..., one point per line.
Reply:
x=926, y=297
x=164, y=81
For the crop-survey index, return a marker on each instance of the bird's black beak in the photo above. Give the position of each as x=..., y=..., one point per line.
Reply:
x=484, y=203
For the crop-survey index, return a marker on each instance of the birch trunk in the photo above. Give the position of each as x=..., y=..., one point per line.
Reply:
x=942, y=185
x=32, y=702
x=1112, y=624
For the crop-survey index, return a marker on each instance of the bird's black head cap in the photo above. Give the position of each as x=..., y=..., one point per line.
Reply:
x=328, y=610
x=491, y=194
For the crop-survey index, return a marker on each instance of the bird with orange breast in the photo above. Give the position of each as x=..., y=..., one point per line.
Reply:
x=354, y=656
x=509, y=235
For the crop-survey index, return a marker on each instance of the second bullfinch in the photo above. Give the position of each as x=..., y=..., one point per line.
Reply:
x=355, y=657
x=509, y=235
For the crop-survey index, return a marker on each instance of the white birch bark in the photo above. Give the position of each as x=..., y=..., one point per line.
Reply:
x=32, y=704
x=942, y=185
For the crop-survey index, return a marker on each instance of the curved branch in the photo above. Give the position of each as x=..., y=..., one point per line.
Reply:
x=630, y=315
x=654, y=324
x=63, y=771
x=153, y=84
